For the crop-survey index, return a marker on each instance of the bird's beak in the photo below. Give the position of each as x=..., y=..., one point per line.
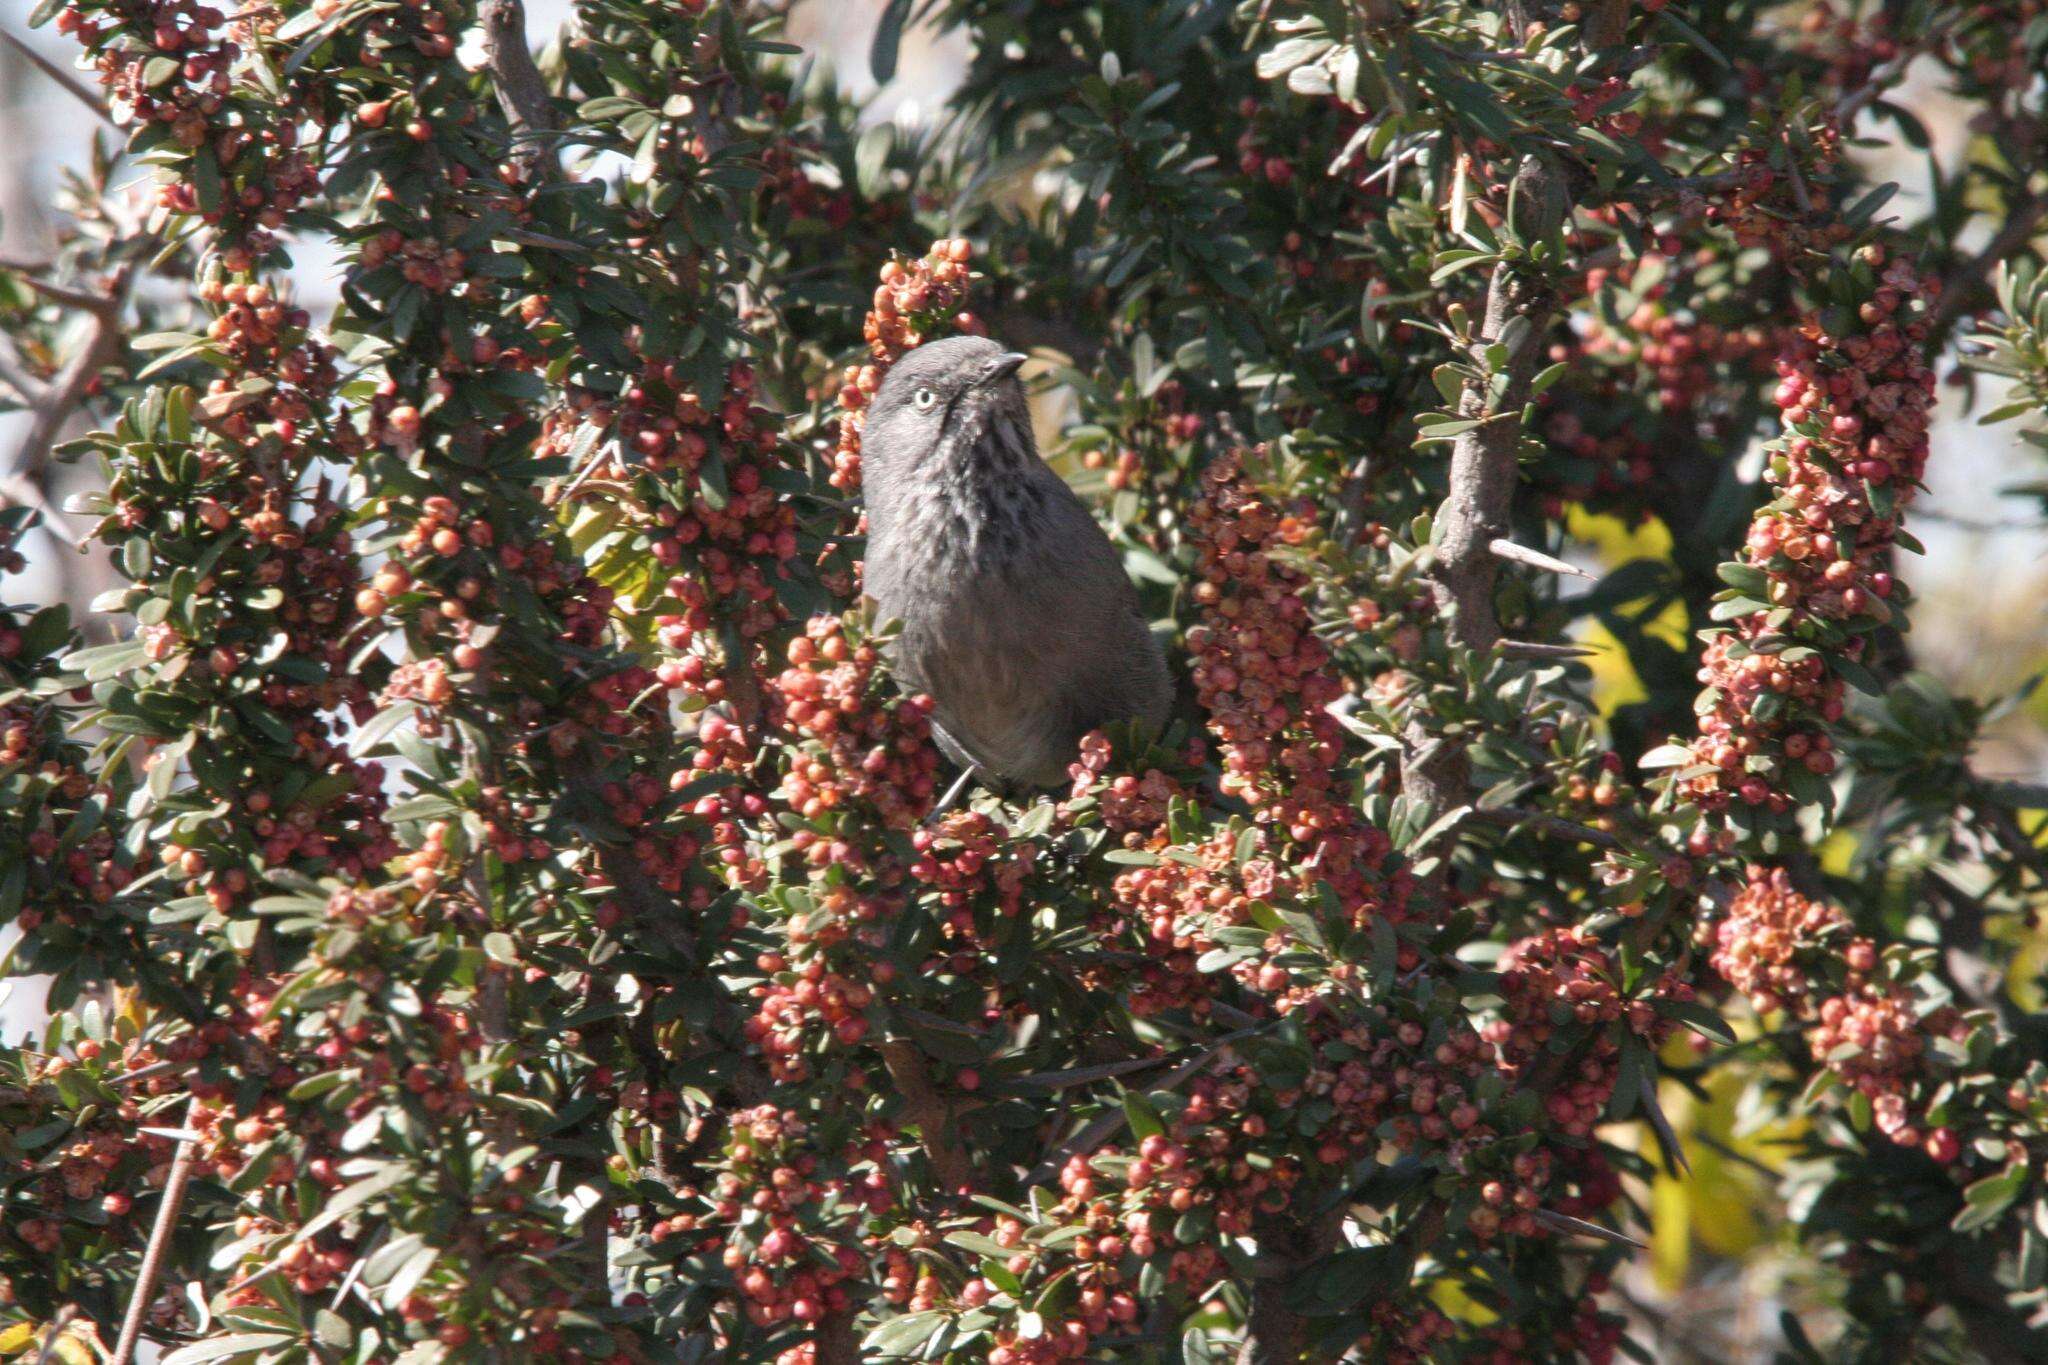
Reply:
x=1001, y=368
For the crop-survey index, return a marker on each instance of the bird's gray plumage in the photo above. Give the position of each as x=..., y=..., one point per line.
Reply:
x=1016, y=615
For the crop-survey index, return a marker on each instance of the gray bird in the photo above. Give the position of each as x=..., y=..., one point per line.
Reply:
x=1016, y=614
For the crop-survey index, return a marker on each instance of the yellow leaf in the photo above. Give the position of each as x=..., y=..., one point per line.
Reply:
x=1615, y=683
x=1670, y=1233
x=1836, y=852
x=1459, y=1306
x=80, y=1345
x=1617, y=540
x=16, y=1339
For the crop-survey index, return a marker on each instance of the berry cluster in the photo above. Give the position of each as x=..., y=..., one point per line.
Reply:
x=1589, y=103
x=1133, y=807
x=1864, y=1021
x=1271, y=149
x=1772, y=208
x=1175, y=908
x=708, y=498
x=858, y=751
x=973, y=863
x=83, y=1189
x=1853, y=45
x=169, y=64
x=1163, y=1208
x=1566, y=977
x=781, y=1226
x=1814, y=579
x=1774, y=943
x=1263, y=675
x=71, y=864
x=432, y=265
x=259, y=333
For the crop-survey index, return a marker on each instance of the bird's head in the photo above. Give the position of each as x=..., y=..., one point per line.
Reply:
x=953, y=401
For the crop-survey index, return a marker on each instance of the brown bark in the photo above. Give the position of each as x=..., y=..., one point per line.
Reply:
x=522, y=94
x=929, y=1110
x=1483, y=480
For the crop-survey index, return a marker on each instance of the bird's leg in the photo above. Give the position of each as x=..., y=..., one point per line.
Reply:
x=952, y=794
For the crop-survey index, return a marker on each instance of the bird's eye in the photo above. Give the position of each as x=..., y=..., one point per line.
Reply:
x=924, y=398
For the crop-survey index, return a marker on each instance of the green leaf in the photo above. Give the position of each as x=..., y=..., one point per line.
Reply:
x=165, y=341
x=1698, y=1018
x=376, y=728
x=888, y=41
x=206, y=180
x=1986, y=1200
x=1747, y=579
x=980, y=1245
x=1694, y=38
x=220, y=1348
x=1864, y=209
x=1143, y=1118
x=1288, y=54
x=905, y=1335
x=354, y=1197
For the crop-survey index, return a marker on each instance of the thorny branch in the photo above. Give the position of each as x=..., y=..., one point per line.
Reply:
x=55, y=402
x=521, y=92
x=1964, y=287
x=928, y=1109
x=159, y=1242
x=1483, y=478
x=64, y=79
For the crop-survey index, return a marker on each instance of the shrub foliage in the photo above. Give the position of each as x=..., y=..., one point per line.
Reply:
x=489, y=880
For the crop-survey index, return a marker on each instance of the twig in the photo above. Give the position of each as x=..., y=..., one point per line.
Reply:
x=1800, y=194
x=1974, y=978
x=2016, y=840
x=14, y=374
x=17, y=491
x=1098, y=1132
x=493, y=1004
x=528, y=237
x=1607, y=24
x=67, y=390
x=1543, y=823
x=142, y=1073
x=70, y=83
x=1288, y=1244
x=1483, y=469
x=1878, y=82
x=835, y=1342
x=1979, y=525
x=1966, y=282
x=1473, y=523
x=1082, y=1075
x=159, y=1243
x=1660, y=1124
x=96, y=304
x=348, y=1282
x=55, y=1333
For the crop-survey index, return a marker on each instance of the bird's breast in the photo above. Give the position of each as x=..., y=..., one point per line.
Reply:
x=956, y=531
